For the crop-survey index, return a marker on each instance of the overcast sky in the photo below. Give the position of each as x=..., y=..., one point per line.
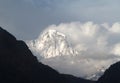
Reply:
x=27, y=18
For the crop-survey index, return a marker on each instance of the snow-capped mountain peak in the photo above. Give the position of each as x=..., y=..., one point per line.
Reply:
x=51, y=44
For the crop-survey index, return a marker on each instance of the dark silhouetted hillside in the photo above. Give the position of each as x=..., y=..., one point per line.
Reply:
x=18, y=65
x=111, y=75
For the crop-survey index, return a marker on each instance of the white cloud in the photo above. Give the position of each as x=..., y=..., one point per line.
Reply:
x=93, y=42
x=115, y=28
x=116, y=49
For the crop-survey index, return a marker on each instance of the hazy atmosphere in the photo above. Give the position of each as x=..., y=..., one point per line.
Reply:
x=92, y=28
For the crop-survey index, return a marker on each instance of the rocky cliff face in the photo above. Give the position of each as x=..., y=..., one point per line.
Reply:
x=18, y=65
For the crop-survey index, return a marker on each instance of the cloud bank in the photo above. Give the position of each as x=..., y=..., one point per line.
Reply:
x=98, y=46
x=102, y=38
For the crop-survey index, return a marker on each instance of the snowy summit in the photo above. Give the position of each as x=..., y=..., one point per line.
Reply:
x=52, y=43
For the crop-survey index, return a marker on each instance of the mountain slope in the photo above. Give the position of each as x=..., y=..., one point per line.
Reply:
x=18, y=65
x=111, y=75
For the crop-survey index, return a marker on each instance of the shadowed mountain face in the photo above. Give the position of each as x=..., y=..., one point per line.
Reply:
x=18, y=65
x=111, y=75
